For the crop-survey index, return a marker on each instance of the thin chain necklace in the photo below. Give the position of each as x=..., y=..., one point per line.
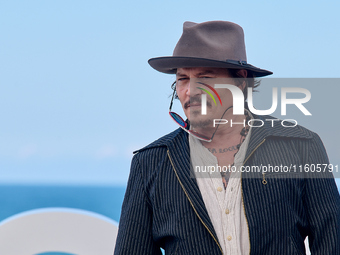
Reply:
x=244, y=132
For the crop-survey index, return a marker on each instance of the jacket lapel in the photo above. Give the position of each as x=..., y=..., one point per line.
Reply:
x=179, y=155
x=259, y=134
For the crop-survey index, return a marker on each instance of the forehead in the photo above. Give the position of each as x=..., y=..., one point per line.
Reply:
x=196, y=71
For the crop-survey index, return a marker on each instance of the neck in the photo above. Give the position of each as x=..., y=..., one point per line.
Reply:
x=227, y=126
x=227, y=133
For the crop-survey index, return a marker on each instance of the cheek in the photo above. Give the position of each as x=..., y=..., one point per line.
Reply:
x=226, y=96
x=181, y=96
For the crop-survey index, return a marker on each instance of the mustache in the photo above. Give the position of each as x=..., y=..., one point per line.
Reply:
x=196, y=99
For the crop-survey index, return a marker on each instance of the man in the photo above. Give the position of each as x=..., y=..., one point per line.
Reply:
x=173, y=202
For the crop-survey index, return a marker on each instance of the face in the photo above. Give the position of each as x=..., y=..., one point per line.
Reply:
x=191, y=83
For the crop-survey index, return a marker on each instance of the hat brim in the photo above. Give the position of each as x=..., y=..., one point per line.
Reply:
x=169, y=65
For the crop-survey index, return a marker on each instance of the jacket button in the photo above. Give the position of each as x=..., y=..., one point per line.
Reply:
x=227, y=211
x=228, y=238
x=219, y=189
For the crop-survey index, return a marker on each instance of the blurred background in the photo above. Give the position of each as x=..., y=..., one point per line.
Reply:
x=77, y=95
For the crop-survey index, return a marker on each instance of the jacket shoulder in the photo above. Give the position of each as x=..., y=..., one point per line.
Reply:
x=273, y=126
x=165, y=141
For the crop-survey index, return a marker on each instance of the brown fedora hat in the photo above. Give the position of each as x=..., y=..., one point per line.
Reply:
x=208, y=44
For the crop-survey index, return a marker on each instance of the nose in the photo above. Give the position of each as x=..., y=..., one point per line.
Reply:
x=187, y=92
x=192, y=89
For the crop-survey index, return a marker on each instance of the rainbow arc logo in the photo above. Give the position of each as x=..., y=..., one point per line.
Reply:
x=204, y=97
x=209, y=93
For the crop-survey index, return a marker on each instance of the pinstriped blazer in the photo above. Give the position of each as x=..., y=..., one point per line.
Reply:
x=163, y=206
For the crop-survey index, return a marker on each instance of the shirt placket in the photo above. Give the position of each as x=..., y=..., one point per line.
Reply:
x=229, y=228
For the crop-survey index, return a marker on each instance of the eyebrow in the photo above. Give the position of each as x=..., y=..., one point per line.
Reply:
x=179, y=74
x=199, y=74
x=206, y=72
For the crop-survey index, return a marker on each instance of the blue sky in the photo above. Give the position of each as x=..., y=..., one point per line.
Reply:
x=77, y=95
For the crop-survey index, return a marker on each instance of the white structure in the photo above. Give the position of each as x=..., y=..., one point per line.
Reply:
x=58, y=230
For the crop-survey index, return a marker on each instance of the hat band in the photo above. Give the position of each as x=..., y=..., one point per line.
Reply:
x=240, y=62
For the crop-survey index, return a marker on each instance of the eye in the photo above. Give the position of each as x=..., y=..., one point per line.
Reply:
x=182, y=79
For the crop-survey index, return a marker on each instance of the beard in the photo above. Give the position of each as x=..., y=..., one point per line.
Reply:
x=199, y=121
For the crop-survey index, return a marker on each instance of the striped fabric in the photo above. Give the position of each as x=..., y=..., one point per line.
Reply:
x=163, y=206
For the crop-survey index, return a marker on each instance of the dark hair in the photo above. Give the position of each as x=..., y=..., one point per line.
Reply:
x=250, y=81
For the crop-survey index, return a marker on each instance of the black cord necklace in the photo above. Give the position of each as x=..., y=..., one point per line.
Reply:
x=244, y=132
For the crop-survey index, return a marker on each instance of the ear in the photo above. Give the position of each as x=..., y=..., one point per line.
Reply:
x=242, y=73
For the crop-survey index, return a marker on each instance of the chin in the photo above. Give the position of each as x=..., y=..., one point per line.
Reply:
x=201, y=122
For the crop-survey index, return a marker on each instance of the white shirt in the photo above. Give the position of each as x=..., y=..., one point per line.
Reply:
x=225, y=207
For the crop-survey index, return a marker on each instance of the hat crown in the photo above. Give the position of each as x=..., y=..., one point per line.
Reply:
x=212, y=44
x=218, y=40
